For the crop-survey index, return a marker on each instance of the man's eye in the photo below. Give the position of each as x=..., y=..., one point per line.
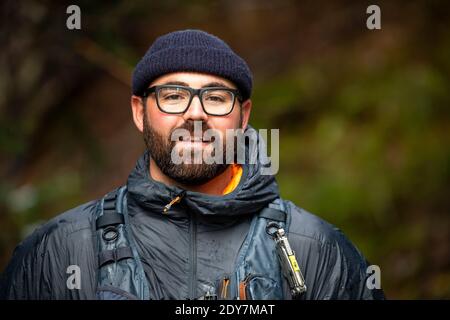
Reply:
x=173, y=97
x=215, y=98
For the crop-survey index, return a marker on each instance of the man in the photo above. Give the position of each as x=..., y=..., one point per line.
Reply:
x=187, y=229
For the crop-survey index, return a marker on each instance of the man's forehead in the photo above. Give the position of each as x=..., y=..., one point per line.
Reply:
x=193, y=79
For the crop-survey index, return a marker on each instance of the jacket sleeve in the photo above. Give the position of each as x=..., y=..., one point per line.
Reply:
x=38, y=269
x=27, y=275
x=332, y=266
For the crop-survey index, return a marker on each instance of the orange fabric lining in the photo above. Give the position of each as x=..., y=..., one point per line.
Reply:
x=236, y=171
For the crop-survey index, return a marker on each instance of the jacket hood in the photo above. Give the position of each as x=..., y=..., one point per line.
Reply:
x=254, y=191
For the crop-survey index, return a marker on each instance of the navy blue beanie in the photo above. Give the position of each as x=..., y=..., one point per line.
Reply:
x=191, y=50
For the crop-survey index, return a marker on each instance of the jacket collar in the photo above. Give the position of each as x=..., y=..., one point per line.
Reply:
x=254, y=191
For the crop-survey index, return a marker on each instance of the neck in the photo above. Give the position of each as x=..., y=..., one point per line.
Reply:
x=214, y=186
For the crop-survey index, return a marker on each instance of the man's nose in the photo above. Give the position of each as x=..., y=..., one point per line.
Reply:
x=195, y=111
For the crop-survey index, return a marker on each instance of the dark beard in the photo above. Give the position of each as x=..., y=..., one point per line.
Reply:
x=160, y=149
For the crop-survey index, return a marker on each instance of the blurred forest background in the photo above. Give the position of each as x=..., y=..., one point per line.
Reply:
x=363, y=115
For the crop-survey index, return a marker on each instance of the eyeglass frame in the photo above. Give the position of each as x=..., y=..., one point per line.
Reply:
x=193, y=92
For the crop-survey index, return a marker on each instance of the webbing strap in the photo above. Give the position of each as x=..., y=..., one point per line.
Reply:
x=110, y=216
x=109, y=219
x=273, y=214
x=114, y=255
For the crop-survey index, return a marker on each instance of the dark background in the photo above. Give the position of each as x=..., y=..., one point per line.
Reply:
x=363, y=115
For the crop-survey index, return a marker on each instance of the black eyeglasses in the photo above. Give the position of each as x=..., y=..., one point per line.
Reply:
x=175, y=99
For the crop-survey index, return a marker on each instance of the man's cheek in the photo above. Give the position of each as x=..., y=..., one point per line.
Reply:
x=162, y=126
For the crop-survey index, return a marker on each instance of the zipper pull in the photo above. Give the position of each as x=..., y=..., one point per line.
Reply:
x=224, y=289
x=175, y=200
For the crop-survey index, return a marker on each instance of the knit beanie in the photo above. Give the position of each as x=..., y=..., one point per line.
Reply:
x=191, y=50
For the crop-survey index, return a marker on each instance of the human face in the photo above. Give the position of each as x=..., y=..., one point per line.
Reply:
x=158, y=127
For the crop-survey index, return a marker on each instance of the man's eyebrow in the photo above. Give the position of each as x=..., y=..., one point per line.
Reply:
x=176, y=83
x=209, y=84
x=215, y=84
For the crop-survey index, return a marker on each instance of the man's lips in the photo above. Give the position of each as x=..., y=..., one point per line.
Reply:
x=193, y=139
x=197, y=139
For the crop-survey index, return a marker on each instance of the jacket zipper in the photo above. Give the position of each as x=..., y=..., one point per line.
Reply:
x=193, y=258
x=192, y=284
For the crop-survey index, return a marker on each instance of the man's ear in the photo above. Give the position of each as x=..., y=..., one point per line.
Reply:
x=137, y=107
x=246, y=108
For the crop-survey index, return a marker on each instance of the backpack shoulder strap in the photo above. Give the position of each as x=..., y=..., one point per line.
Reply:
x=275, y=211
x=278, y=222
x=257, y=274
x=278, y=212
x=120, y=272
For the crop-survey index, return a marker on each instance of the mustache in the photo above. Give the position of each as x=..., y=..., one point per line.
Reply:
x=189, y=125
x=192, y=128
